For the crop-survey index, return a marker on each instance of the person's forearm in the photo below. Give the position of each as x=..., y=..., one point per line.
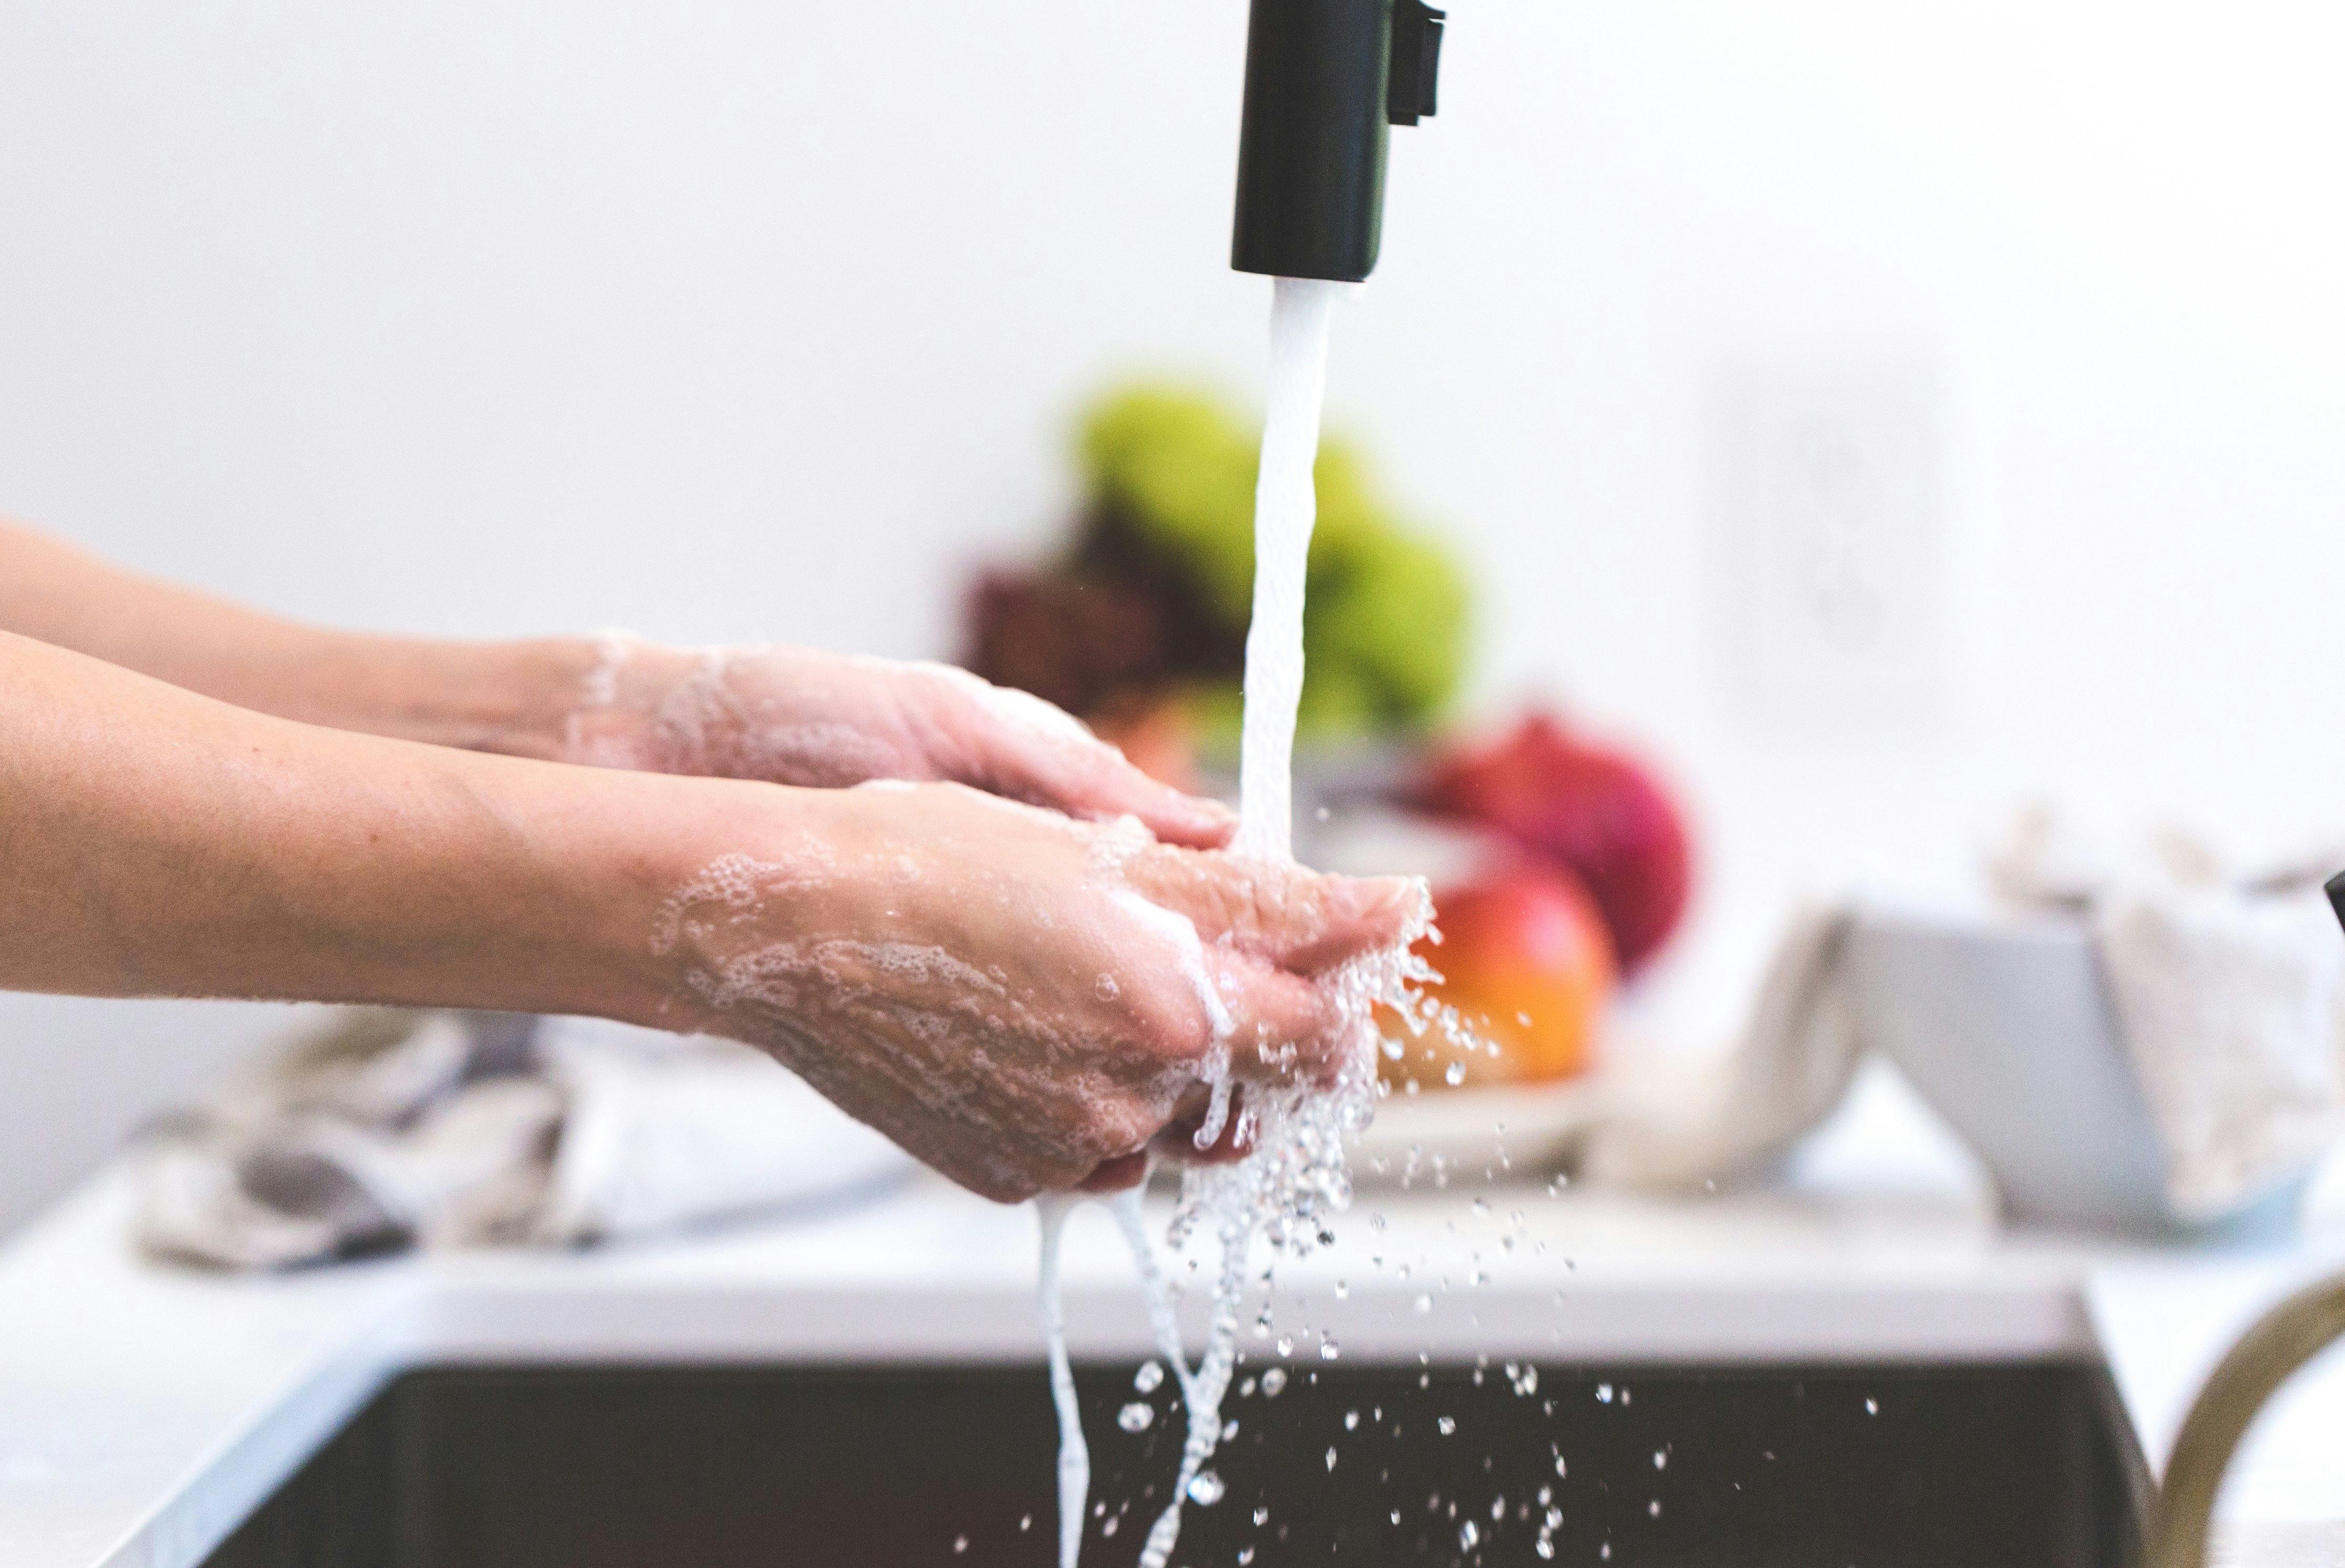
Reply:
x=513, y=698
x=153, y=842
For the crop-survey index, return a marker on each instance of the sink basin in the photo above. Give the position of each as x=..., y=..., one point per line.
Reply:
x=1990, y=1466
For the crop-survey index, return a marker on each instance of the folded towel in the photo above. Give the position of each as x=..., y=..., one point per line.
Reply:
x=437, y=1129
x=2229, y=991
x=1678, y=1124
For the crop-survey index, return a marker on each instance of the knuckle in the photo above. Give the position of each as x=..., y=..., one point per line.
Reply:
x=1116, y=1128
x=998, y=1187
x=1175, y=1028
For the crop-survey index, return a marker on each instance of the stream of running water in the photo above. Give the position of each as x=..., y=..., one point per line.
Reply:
x=1297, y=1172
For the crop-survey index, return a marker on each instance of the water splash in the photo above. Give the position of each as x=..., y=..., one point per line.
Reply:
x=1285, y=1192
x=1074, y=1454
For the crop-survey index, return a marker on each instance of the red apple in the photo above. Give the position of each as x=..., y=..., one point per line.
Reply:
x=1584, y=807
x=1526, y=962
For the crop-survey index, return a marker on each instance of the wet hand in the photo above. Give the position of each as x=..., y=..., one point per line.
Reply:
x=794, y=716
x=1027, y=1001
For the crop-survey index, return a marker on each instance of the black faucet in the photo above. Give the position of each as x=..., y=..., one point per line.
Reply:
x=1323, y=80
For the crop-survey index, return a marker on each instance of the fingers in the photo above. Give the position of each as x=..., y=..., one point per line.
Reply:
x=1116, y=1175
x=1281, y=1025
x=1295, y=919
x=1178, y=1141
x=1356, y=915
x=1016, y=744
x=1092, y=778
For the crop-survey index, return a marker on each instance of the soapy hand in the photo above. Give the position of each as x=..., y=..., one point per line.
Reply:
x=795, y=716
x=1027, y=1001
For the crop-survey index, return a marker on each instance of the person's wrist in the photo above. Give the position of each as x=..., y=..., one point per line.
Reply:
x=684, y=875
x=513, y=699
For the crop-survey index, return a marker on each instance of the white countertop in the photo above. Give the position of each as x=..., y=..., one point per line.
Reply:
x=145, y=1410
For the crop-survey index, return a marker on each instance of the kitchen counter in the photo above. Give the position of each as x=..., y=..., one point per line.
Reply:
x=145, y=1410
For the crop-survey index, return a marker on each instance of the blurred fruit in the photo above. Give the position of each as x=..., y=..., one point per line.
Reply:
x=1068, y=640
x=1528, y=963
x=1168, y=526
x=1586, y=808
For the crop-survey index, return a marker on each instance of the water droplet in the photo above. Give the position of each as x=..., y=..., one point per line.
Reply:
x=1286, y=1344
x=1448, y=1424
x=1245, y=1555
x=1351, y=1421
x=1272, y=1380
x=1872, y=1407
x=1205, y=1489
x=1150, y=1378
x=1544, y=1547
x=1329, y=1350
x=1261, y=1517
x=1424, y=1302
x=1229, y=1428
x=1136, y=1416
x=1661, y=1458
x=1343, y=1290
x=1481, y=1207
x=1469, y=1535
x=1331, y=1456
x=1453, y=1074
x=1107, y=989
x=1026, y=1522
x=1110, y=1527
x=1603, y=1393
x=1395, y=1516
x=1654, y=1508
x=1497, y=1508
x=1553, y=1519
x=961, y=1544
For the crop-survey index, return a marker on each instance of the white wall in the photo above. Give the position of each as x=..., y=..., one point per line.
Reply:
x=727, y=321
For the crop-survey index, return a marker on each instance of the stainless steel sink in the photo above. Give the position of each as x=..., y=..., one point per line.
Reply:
x=2003, y=1466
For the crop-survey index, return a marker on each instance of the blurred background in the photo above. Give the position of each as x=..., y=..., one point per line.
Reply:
x=1877, y=416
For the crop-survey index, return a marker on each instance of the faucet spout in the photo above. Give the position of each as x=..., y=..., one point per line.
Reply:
x=1323, y=80
x=2268, y=1354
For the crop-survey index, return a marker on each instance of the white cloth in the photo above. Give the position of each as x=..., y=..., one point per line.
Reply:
x=2229, y=992
x=440, y=1129
x=1677, y=1125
